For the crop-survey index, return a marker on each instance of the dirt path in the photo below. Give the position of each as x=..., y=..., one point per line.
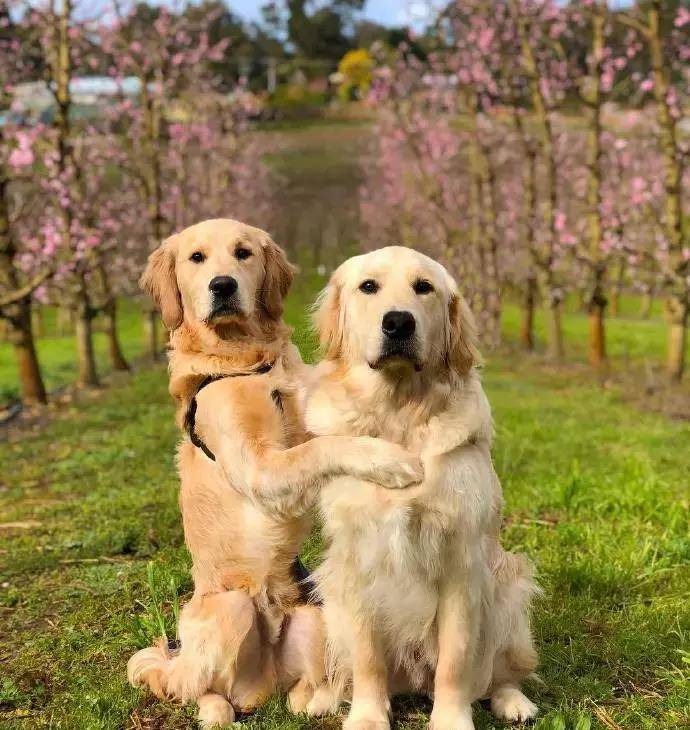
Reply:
x=318, y=171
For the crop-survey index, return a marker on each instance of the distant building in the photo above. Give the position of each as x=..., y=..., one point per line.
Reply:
x=33, y=101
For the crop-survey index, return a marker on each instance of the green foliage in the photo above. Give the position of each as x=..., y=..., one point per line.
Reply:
x=296, y=100
x=323, y=32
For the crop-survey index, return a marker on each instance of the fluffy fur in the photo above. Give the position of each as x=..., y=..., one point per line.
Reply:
x=418, y=593
x=244, y=633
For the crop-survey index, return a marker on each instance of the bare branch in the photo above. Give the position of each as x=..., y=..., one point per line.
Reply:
x=24, y=291
x=634, y=23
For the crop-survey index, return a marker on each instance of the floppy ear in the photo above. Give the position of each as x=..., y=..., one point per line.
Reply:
x=327, y=318
x=278, y=275
x=160, y=283
x=462, y=353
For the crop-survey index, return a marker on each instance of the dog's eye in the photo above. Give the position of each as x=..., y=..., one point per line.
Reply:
x=422, y=286
x=197, y=257
x=369, y=286
x=242, y=253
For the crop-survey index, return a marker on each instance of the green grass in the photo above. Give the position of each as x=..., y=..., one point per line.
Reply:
x=597, y=495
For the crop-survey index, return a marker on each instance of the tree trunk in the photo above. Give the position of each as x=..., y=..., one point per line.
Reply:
x=617, y=289
x=597, y=334
x=527, y=323
x=556, y=351
x=16, y=317
x=151, y=333
x=20, y=334
x=647, y=302
x=596, y=309
x=86, y=361
x=674, y=214
x=545, y=257
x=677, y=336
x=117, y=357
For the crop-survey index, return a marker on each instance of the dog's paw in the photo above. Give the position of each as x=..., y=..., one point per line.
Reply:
x=299, y=697
x=215, y=711
x=364, y=724
x=391, y=465
x=324, y=702
x=451, y=718
x=508, y=703
x=368, y=716
x=403, y=473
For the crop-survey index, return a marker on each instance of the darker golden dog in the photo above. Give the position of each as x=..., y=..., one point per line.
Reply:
x=249, y=474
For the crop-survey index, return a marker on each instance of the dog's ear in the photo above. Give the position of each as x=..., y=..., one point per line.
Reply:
x=278, y=276
x=461, y=352
x=327, y=317
x=160, y=283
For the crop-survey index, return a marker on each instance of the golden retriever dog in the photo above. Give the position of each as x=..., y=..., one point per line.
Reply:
x=249, y=474
x=418, y=594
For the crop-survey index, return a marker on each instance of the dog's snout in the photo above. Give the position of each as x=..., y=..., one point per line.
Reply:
x=223, y=286
x=398, y=325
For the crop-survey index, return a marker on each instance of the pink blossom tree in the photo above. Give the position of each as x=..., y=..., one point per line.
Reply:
x=20, y=276
x=669, y=59
x=167, y=57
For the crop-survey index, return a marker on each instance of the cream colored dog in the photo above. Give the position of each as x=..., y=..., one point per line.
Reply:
x=418, y=593
x=249, y=474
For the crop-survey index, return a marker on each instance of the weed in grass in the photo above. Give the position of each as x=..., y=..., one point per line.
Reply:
x=154, y=622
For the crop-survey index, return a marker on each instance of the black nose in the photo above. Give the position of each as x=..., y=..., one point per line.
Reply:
x=223, y=286
x=398, y=325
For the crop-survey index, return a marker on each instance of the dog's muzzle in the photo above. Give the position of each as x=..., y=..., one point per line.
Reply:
x=224, y=300
x=399, y=340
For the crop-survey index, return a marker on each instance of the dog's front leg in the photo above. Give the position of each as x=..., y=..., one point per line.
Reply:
x=457, y=625
x=370, y=703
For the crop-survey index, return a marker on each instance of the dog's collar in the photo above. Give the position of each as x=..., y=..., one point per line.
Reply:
x=190, y=414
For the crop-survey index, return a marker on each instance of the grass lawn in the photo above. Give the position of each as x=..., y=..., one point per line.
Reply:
x=94, y=565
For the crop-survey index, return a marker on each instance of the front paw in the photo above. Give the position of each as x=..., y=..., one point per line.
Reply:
x=325, y=701
x=451, y=718
x=394, y=467
x=509, y=704
x=368, y=716
x=364, y=723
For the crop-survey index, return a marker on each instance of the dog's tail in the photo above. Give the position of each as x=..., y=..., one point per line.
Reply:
x=150, y=668
x=183, y=676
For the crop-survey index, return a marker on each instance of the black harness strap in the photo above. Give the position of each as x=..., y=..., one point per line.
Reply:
x=307, y=586
x=190, y=415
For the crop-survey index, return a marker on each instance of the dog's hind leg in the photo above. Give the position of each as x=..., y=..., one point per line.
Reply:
x=516, y=658
x=301, y=657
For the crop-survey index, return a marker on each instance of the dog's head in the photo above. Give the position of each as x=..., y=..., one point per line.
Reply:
x=217, y=273
x=396, y=309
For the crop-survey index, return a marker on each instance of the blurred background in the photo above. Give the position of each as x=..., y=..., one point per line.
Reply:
x=538, y=149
